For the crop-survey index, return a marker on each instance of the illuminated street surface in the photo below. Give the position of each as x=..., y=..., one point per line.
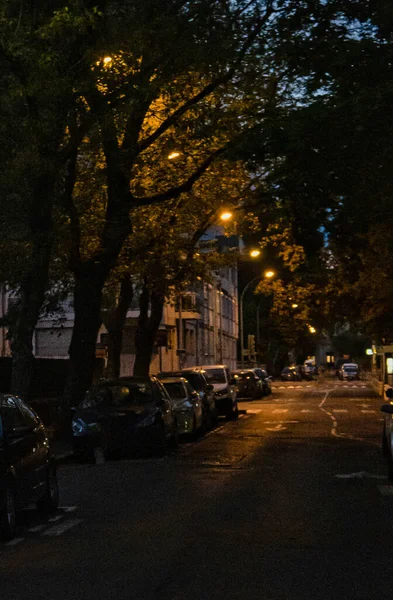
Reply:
x=289, y=502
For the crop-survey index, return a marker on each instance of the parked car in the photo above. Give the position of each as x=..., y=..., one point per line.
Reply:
x=339, y=363
x=265, y=379
x=387, y=434
x=125, y=414
x=187, y=405
x=349, y=372
x=197, y=379
x=27, y=464
x=248, y=385
x=290, y=374
x=224, y=391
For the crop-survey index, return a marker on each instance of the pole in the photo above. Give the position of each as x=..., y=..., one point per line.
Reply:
x=241, y=317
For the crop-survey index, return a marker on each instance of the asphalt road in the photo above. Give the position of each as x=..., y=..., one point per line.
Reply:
x=290, y=502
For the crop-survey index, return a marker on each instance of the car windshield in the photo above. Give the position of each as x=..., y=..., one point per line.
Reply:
x=194, y=380
x=175, y=389
x=118, y=394
x=350, y=368
x=215, y=375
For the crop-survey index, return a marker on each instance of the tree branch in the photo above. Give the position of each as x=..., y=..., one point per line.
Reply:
x=207, y=90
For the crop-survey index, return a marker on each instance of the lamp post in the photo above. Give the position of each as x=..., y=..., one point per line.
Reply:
x=241, y=316
x=268, y=275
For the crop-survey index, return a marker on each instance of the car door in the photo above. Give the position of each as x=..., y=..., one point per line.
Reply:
x=36, y=462
x=197, y=403
x=20, y=446
x=165, y=403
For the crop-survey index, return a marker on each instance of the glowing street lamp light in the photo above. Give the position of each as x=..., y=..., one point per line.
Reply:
x=173, y=155
x=312, y=329
x=269, y=274
x=226, y=216
x=255, y=253
x=294, y=305
x=107, y=60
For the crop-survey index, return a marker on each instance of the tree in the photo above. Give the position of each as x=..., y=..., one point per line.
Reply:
x=184, y=84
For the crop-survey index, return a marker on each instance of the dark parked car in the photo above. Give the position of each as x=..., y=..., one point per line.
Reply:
x=125, y=414
x=205, y=390
x=187, y=405
x=290, y=374
x=248, y=385
x=265, y=379
x=27, y=465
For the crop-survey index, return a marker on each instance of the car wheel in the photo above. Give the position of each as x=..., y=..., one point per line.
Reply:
x=50, y=500
x=8, y=517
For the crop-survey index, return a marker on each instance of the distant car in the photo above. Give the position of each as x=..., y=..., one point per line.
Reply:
x=349, y=372
x=125, y=414
x=248, y=384
x=27, y=464
x=224, y=391
x=290, y=374
x=339, y=363
x=309, y=370
x=197, y=379
x=387, y=434
x=187, y=405
x=265, y=379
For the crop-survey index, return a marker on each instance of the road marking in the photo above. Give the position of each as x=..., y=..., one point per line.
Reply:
x=62, y=527
x=368, y=411
x=15, y=541
x=306, y=410
x=386, y=490
x=278, y=427
x=37, y=528
x=280, y=410
x=67, y=509
x=56, y=518
x=339, y=410
x=359, y=475
x=253, y=411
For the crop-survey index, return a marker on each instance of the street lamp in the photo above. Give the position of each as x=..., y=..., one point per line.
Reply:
x=267, y=274
x=226, y=216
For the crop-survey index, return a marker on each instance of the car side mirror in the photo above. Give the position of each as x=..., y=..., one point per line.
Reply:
x=389, y=393
x=387, y=408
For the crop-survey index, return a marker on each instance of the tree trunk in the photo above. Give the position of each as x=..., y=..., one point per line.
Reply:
x=115, y=325
x=23, y=318
x=89, y=283
x=147, y=329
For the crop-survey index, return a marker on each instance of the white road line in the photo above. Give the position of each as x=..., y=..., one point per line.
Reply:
x=62, y=527
x=15, y=541
x=67, y=509
x=36, y=528
x=306, y=410
x=253, y=411
x=368, y=411
x=56, y=518
x=339, y=410
x=386, y=490
x=280, y=410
